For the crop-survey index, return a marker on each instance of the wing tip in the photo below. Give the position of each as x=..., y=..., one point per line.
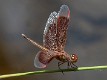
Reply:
x=38, y=64
x=39, y=61
x=64, y=11
x=43, y=66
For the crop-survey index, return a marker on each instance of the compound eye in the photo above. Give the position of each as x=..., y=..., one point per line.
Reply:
x=74, y=58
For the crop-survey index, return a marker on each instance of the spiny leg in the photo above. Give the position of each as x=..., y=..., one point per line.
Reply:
x=59, y=64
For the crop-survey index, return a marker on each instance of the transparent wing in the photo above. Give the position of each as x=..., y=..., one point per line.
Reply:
x=43, y=58
x=54, y=37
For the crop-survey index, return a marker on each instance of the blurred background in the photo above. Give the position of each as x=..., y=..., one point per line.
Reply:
x=87, y=36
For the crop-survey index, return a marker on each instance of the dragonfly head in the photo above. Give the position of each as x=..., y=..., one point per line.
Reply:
x=74, y=58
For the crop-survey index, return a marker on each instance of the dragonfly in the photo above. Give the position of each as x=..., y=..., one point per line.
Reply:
x=54, y=40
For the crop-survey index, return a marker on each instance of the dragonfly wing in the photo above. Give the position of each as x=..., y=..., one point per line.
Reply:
x=42, y=59
x=54, y=37
x=62, y=26
x=49, y=36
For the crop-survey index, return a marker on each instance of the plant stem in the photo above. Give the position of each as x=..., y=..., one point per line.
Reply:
x=54, y=71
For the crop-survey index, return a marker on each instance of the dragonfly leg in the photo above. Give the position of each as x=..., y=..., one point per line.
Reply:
x=59, y=64
x=68, y=65
x=73, y=66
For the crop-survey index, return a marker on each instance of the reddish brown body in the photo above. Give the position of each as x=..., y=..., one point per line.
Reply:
x=54, y=40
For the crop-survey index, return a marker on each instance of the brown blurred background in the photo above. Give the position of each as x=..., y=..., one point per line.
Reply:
x=87, y=36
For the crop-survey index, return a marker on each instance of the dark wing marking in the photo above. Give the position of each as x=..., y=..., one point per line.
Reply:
x=54, y=37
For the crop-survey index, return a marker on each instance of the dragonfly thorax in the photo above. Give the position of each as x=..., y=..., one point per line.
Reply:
x=63, y=56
